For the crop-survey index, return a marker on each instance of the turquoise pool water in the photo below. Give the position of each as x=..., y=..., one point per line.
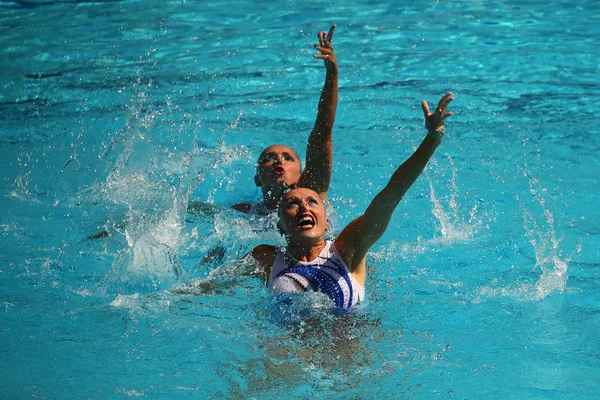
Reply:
x=128, y=129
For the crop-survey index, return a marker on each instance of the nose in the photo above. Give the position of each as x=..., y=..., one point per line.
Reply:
x=303, y=205
x=278, y=160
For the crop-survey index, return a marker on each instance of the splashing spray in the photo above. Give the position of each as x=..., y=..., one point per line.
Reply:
x=546, y=245
x=453, y=226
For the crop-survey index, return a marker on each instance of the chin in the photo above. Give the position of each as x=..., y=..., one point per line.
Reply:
x=311, y=235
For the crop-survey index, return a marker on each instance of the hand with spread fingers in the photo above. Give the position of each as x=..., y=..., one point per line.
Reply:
x=326, y=48
x=434, y=122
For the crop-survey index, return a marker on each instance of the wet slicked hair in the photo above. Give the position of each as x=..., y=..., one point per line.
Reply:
x=277, y=144
x=289, y=189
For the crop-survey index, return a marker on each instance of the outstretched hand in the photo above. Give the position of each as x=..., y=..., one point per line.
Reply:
x=434, y=122
x=326, y=48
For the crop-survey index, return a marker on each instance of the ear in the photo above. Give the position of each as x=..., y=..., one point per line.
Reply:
x=257, y=181
x=326, y=224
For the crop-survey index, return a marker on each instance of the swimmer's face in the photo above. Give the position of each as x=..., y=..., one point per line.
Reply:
x=278, y=164
x=302, y=215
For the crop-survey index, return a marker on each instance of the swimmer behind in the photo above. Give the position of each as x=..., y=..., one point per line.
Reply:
x=278, y=167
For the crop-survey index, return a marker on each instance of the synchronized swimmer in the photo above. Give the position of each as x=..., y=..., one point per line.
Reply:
x=279, y=169
x=338, y=268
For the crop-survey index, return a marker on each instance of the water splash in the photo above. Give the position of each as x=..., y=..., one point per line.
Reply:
x=546, y=245
x=453, y=225
x=223, y=156
x=538, y=206
x=154, y=185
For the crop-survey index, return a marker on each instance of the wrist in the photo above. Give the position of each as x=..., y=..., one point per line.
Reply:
x=332, y=67
x=332, y=73
x=436, y=135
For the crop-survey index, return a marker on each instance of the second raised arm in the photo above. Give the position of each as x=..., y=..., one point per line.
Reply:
x=317, y=173
x=364, y=231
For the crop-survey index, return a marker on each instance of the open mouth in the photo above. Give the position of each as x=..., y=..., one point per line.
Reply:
x=306, y=222
x=279, y=170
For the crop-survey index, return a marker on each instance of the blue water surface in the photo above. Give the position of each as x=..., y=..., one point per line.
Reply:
x=129, y=128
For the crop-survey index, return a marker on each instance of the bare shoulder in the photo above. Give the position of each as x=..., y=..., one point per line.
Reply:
x=354, y=257
x=243, y=207
x=346, y=244
x=264, y=255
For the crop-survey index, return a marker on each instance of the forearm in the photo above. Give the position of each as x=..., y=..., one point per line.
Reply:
x=319, y=141
x=328, y=101
x=382, y=207
x=367, y=229
x=319, y=158
x=404, y=177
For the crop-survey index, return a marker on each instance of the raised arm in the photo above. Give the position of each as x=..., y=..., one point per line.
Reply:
x=317, y=173
x=356, y=239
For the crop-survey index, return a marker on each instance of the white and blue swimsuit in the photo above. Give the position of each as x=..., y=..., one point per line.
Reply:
x=327, y=274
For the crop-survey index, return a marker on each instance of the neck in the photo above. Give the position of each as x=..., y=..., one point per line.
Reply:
x=306, y=250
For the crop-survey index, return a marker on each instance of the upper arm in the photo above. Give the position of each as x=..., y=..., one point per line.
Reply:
x=243, y=207
x=319, y=159
x=358, y=236
x=317, y=174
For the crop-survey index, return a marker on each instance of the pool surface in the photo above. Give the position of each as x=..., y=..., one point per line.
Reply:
x=128, y=129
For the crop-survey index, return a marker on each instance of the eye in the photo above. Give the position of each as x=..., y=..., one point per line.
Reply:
x=289, y=158
x=267, y=158
x=313, y=202
x=293, y=203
